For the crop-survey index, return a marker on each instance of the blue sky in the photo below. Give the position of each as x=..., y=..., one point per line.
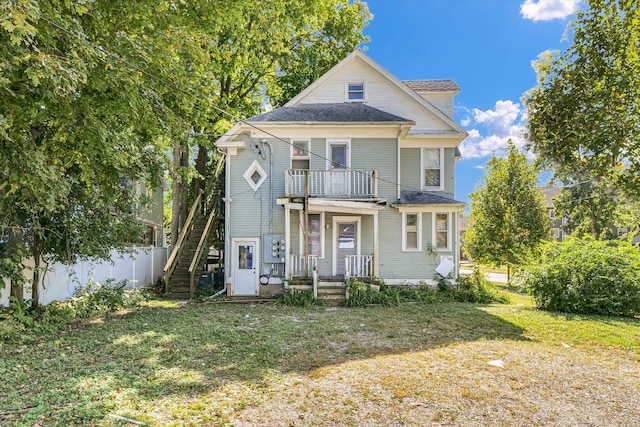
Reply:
x=487, y=46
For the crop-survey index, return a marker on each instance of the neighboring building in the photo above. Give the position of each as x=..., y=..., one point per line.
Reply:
x=557, y=224
x=151, y=214
x=352, y=177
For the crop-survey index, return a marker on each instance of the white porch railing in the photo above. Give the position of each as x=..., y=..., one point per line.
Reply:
x=358, y=265
x=351, y=183
x=299, y=265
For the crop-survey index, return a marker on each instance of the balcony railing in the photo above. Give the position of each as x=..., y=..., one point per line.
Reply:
x=301, y=266
x=339, y=183
x=359, y=265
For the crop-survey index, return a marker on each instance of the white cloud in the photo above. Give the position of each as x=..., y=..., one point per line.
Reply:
x=547, y=10
x=493, y=129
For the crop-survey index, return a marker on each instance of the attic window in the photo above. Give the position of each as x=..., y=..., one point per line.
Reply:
x=355, y=91
x=255, y=175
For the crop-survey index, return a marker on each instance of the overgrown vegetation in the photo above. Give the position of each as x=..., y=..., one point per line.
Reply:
x=20, y=324
x=473, y=289
x=585, y=276
x=299, y=298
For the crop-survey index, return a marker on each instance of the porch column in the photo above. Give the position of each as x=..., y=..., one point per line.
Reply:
x=287, y=237
x=376, y=253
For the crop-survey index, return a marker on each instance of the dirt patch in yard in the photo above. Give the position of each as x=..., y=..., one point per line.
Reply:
x=455, y=385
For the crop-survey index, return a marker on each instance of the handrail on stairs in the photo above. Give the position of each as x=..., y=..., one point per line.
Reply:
x=202, y=246
x=172, y=262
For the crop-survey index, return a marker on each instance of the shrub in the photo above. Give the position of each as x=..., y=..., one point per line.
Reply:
x=20, y=324
x=299, y=298
x=472, y=288
x=585, y=276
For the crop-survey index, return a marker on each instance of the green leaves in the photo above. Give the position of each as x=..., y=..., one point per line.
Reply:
x=584, y=113
x=507, y=218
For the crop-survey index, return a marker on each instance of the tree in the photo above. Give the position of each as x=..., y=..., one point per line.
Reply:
x=76, y=132
x=584, y=114
x=588, y=208
x=507, y=218
x=93, y=94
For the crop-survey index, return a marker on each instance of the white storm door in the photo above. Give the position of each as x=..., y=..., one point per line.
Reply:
x=245, y=267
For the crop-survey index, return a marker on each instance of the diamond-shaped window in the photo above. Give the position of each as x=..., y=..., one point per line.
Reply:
x=255, y=175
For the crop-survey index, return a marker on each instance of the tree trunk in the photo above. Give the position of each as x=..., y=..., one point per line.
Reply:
x=36, y=251
x=17, y=286
x=201, y=168
x=179, y=196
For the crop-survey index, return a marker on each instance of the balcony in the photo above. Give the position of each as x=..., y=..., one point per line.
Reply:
x=336, y=183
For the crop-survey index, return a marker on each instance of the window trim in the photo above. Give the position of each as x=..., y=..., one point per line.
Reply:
x=293, y=158
x=255, y=166
x=322, y=233
x=418, y=230
x=348, y=91
x=423, y=168
x=434, y=240
x=347, y=143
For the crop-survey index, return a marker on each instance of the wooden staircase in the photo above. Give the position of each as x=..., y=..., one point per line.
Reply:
x=179, y=283
x=184, y=265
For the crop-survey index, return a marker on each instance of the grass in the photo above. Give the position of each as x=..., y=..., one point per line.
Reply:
x=170, y=364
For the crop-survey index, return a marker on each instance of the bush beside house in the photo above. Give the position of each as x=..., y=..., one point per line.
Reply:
x=585, y=276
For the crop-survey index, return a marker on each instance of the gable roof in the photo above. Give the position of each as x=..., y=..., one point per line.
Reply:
x=347, y=112
x=358, y=55
x=447, y=85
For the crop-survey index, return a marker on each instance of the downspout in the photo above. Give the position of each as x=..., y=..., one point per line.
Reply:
x=227, y=207
x=266, y=142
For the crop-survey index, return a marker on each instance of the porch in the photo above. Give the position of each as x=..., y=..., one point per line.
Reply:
x=355, y=265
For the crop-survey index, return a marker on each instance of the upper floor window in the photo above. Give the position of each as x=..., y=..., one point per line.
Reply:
x=300, y=155
x=432, y=167
x=355, y=91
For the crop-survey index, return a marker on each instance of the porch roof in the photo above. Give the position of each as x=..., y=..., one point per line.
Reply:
x=346, y=112
x=415, y=198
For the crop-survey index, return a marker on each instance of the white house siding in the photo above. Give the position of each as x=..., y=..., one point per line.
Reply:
x=443, y=102
x=378, y=92
x=60, y=282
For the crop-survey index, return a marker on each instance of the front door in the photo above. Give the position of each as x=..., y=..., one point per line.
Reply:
x=245, y=263
x=346, y=244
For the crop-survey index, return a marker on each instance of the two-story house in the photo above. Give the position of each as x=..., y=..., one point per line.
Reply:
x=352, y=177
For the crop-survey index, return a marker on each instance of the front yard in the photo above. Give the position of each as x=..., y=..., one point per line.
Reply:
x=213, y=364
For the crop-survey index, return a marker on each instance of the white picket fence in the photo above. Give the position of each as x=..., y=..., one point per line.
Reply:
x=139, y=269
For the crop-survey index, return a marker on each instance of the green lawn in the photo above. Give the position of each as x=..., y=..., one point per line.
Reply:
x=216, y=364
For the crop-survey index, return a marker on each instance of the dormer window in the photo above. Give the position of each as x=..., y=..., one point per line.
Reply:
x=355, y=91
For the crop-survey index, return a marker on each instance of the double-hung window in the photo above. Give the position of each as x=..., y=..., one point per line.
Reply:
x=411, y=231
x=432, y=168
x=300, y=155
x=355, y=91
x=441, y=232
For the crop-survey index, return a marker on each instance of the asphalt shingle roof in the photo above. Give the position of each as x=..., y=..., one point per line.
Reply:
x=348, y=112
x=446, y=85
x=424, y=198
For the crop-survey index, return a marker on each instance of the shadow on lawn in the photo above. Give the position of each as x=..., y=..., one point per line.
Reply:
x=195, y=350
x=190, y=349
